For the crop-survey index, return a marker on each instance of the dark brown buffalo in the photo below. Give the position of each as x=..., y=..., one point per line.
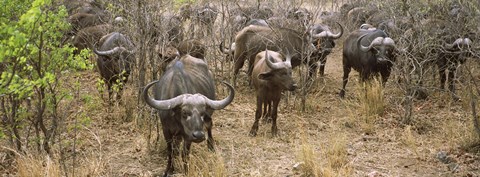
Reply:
x=202, y=16
x=193, y=47
x=449, y=58
x=185, y=99
x=324, y=46
x=252, y=12
x=368, y=52
x=271, y=76
x=166, y=55
x=303, y=15
x=116, y=54
x=84, y=6
x=82, y=20
x=168, y=29
x=89, y=36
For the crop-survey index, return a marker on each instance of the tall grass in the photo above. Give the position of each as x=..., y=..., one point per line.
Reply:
x=372, y=104
x=331, y=160
x=37, y=166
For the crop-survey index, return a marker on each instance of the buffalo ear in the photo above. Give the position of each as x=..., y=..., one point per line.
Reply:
x=265, y=75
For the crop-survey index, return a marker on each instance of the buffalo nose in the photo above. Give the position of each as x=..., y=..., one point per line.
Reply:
x=293, y=87
x=198, y=135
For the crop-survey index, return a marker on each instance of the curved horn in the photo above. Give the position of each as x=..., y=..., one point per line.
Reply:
x=339, y=34
x=457, y=42
x=220, y=104
x=467, y=41
x=328, y=33
x=108, y=52
x=113, y=51
x=224, y=50
x=160, y=104
x=270, y=64
x=389, y=42
x=376, y=41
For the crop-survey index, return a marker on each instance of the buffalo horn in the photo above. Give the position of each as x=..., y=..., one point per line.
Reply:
x=161, y=104
x=220, y=104
x=389, y=42
x=375, y=42
x=112, y=51
x=339, y=34
x=328, y=33
x=224, y=50
x=457, y=42
x=270, y=64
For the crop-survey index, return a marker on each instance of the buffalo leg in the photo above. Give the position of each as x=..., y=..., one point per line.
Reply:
x=264, y=112
x=210, y=141
x=251, y=64
x=443, y=77
x=238, y=65
x=258, y=114
x=110, y=92
x=186, y=151
x=274, y=116
x=170, y=144
x=385, y=75
x=312, y=70
x=322, y=67
x=451, y=82
x=346, y=72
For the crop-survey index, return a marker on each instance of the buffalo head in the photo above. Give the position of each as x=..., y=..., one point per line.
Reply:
x=324, y=38
x=280, y=73
x=192, y=110
x=120, y=55
x=381, y=47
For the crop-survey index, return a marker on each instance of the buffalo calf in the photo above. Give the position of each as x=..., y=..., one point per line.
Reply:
x=271, y=76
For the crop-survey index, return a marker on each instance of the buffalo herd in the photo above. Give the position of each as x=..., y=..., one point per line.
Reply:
x=272, y=42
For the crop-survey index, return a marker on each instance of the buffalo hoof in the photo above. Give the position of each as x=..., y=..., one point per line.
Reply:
x=211, y=147
x=456, y=98
x=342, y=94
x=274, y=131
x=168, y=174
x=253, y=133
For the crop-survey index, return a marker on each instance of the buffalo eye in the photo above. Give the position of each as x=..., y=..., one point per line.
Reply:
x=206, y=118
x=186, y=114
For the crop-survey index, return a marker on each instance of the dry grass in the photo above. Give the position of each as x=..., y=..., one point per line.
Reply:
x=37, y=166
x=328, y=160
x=205, y=163
x=408, y=139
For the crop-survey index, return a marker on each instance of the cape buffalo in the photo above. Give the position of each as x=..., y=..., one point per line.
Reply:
x=202, y=16
x=185, y=99
x=270, y=77
x=115, y=56
x=450, y=57
x=368, y=52
x=324, y=46
x=83, y=20
x=89, y=36
x=193, y=47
